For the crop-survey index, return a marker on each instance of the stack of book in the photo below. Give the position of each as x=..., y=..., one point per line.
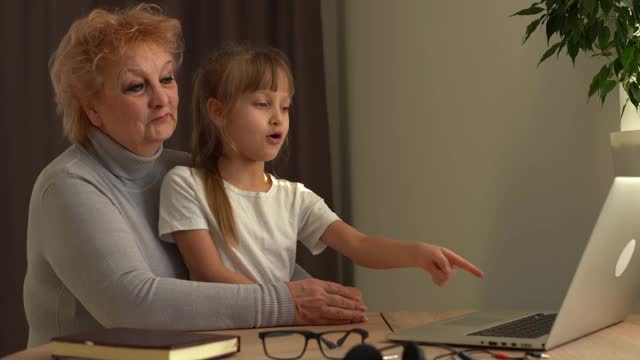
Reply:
x=139, y=344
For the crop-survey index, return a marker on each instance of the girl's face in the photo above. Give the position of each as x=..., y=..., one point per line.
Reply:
x=138, y=104
x=257, y=125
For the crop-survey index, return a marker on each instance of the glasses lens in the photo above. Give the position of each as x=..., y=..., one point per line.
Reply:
x=337, y=344
x=284, y=345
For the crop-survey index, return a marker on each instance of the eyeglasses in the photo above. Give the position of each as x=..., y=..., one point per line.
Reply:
x=291, y=344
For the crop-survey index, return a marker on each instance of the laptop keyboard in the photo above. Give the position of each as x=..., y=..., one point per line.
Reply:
x=529, y=327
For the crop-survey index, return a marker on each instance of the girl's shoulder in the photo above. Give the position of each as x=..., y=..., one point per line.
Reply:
x=181, y=172
x=290, y=186
x=284, y=183
x=184, y=175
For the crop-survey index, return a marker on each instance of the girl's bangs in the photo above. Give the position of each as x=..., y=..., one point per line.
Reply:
x=267, y=73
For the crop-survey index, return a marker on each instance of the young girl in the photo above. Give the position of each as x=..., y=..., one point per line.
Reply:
x=233, y=222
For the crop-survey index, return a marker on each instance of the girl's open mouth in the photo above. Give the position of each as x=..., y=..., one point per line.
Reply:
x=275, y=138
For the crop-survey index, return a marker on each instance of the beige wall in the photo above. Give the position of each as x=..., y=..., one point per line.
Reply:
x=455, y=137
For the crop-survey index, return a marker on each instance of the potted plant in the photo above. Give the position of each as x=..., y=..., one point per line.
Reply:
x=609, y=29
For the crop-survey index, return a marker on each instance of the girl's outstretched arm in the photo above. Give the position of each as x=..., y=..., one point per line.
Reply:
x=203, y=260
x=378, y=252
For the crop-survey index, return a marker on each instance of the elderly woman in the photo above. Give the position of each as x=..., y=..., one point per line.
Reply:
x=94, y=255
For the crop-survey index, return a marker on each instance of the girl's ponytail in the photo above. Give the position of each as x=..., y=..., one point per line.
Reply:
x=206, y=149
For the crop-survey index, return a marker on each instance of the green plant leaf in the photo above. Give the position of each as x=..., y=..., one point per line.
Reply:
x=594, y=86
x=597, y=28
x=590, y=35
x=565, y=4
x=552, y=26
x=601, y=76
x=619, y=42
x=617, y=67
x=572, y=15
x=633, y=101
x=606, y=6
x=531, y=28
x=627, y=56
x=605, y=88
x=564, y=42
x=632, y=69
x=531, y=10
x=603, y=37
x=589, y=6
x=623, y=29
x=634, y=93
x=572, y=49
x=623, y=109
x=549, y=52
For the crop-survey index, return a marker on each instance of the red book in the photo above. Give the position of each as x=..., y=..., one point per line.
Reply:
x=139, y=344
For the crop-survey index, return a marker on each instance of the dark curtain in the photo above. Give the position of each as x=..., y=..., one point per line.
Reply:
x=32, y=132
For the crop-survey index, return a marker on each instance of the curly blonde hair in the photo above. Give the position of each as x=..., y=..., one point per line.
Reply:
x=76, y=65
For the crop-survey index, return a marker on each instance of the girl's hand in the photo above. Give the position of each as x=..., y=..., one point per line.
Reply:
x=442, y=263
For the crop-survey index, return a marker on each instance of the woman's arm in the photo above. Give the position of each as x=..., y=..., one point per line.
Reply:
x=98, y=256
x=378, y=252
x=203, y=260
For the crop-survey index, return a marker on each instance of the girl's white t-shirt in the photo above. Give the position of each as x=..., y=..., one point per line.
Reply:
x=269, y=223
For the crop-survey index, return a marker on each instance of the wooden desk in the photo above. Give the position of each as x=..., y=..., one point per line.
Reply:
x=251, y=345
x=618, y=342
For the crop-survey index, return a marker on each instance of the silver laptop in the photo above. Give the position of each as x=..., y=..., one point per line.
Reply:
x=602, y=292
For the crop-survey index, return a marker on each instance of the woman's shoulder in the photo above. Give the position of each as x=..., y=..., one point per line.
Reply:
x=70, y=169
x=73, y=162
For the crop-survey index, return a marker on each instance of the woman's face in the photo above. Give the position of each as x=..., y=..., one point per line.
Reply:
x=138, y=104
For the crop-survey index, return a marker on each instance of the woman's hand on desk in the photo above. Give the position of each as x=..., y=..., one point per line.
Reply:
x=320, y=302
x=442, y=263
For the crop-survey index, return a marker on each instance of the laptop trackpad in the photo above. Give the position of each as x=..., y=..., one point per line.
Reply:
x=474, y=320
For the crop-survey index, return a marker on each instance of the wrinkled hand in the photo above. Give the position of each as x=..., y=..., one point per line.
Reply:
x=320, y=302
x=442, y=262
